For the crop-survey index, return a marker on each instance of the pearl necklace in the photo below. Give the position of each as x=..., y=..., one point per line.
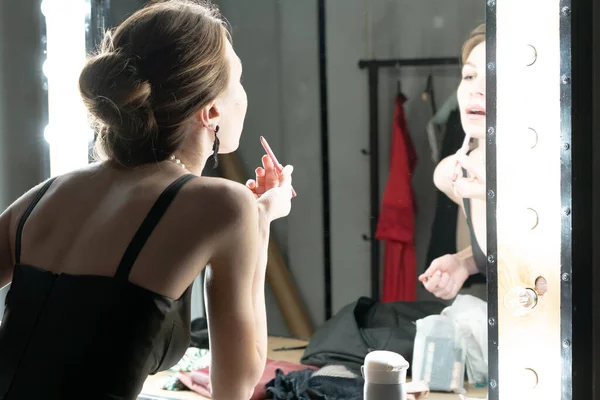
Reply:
x=176, y=161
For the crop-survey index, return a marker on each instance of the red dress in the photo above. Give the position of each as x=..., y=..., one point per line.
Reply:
x=396, y=224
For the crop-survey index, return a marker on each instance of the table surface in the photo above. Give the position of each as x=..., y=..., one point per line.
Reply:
x=152, y=390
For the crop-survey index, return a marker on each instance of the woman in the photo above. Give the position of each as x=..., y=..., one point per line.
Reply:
x=101, y=270
x=447, y=274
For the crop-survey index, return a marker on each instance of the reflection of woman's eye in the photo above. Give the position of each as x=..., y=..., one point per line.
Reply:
x=468, y=77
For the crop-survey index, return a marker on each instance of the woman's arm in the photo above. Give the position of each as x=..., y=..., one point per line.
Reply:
x=466, y=260
x=442, y=177
x=235, y=297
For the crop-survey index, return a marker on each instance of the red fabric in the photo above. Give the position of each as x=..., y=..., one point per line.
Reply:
x=199, y=380
x=396, y=224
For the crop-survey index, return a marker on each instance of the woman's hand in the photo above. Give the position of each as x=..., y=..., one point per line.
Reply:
x=472, y=186
x=445, y=276
x=267, y=178
x=273, y=190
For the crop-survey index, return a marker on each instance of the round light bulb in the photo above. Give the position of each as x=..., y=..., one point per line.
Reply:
x=530, y=218
x=529, y=55
x=519, y=301
x=46, y=68
x=48, y=134
x=44, y=6
x=531, y=138
x=529, y=379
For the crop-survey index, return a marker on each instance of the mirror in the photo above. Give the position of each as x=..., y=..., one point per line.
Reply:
x=401, y=121
x=348, y=81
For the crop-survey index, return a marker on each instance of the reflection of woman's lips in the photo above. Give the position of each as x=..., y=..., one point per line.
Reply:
x=475, y=117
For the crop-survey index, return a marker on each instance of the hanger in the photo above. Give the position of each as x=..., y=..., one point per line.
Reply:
x=398, y=81
x=429, y=95
x=399, y=93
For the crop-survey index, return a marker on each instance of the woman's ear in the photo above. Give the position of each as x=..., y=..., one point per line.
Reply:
x=210, y=115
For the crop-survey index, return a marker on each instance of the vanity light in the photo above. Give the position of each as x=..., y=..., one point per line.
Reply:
x=531, y=137
x=68, y=132
x=520, y=301
x=530, y=55
x=530, y=378
x=525, y=47
x=530, y=218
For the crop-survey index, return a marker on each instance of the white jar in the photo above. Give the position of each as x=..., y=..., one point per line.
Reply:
x=385, y=376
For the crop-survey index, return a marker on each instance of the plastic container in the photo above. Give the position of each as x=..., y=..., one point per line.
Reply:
x=385, y=376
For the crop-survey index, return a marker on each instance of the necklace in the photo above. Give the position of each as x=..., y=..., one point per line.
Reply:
x=176, y=161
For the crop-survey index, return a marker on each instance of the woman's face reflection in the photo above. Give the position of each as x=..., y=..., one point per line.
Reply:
x=471, y=93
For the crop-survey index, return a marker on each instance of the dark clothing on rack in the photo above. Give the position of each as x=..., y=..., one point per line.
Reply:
x=62, y=332
x=443, y=230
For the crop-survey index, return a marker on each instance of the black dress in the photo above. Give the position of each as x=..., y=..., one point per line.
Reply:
x=86, y=336
x=443, y=233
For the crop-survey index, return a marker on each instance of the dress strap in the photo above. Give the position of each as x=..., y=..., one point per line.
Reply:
x=25, y=216
x=145, y=230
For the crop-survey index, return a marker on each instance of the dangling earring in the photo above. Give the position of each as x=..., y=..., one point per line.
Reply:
x=215, y=155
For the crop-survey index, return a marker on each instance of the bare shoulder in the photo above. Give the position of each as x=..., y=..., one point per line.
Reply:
x=18, y=207
x=231, y=201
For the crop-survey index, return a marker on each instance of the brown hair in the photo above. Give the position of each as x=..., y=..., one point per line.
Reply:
x=151, y=76
x=476, y=37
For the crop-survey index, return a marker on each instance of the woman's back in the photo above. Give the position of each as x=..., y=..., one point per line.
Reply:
x=90, y=297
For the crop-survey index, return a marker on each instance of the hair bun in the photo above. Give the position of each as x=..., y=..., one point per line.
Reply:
x=116, y=95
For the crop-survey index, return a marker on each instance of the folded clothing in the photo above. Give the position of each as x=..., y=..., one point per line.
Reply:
x=333, y=382
x=192, y=360
x=199, y=380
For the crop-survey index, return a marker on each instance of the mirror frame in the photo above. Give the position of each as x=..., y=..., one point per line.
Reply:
x=579, y=261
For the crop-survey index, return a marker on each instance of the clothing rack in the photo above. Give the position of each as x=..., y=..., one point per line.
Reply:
x=373, y=67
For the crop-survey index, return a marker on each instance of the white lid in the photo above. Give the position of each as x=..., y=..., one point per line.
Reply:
x=385, y=367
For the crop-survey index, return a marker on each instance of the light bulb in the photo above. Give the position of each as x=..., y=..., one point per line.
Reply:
x=519, y=301
x=531, y=138
x=530, y=218
x=48, y=134
x=44, y=6
x=529, y=55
